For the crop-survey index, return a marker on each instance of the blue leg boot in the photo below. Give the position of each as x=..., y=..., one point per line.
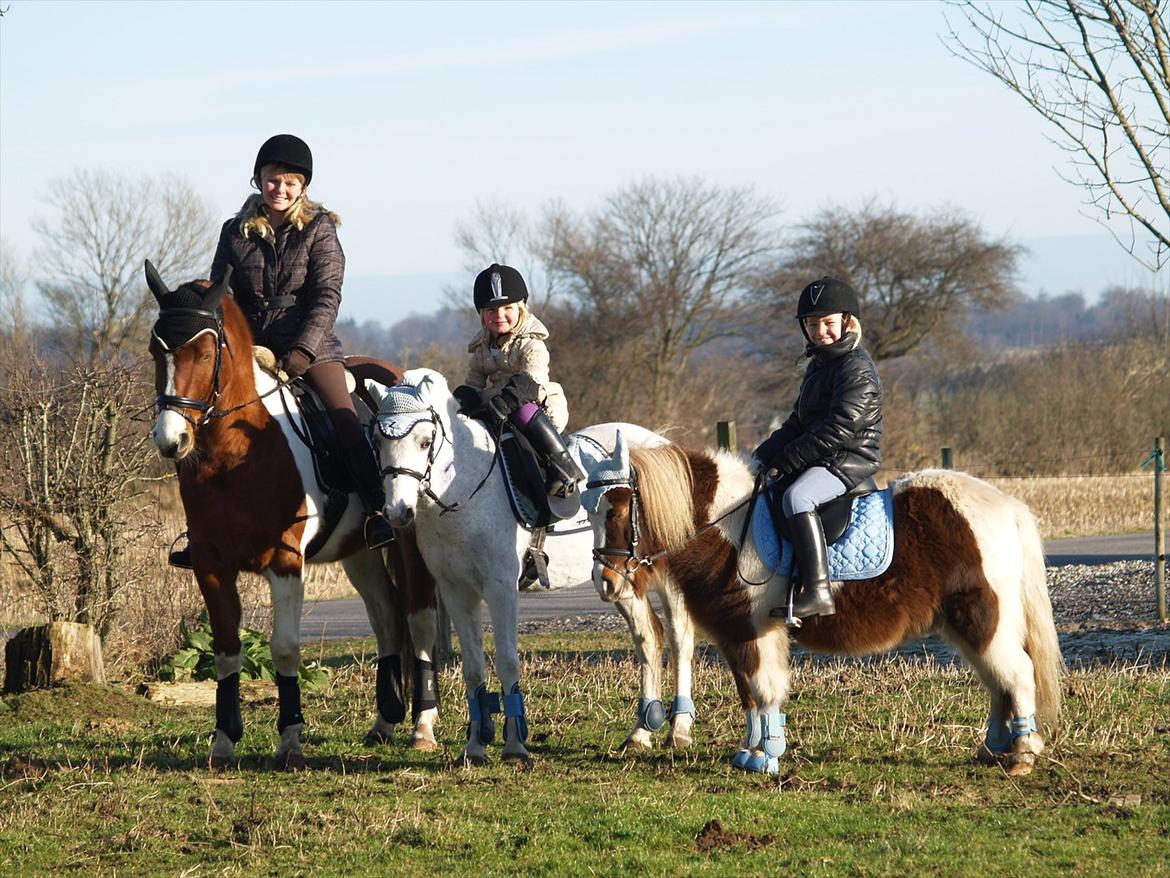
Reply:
x=772, y=743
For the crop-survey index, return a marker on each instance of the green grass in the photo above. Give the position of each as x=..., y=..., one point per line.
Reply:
x=878, y=780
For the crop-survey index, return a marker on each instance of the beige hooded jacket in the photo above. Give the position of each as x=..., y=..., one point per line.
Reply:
x=521, y=350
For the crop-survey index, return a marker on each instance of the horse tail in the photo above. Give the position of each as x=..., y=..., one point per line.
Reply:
x=1040, y=639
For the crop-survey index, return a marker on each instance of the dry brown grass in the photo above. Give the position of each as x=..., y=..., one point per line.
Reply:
x=1073, y=506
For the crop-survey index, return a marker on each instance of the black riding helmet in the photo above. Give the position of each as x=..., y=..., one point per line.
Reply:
x=827, y=296
x=286, y=150
x=499, y=285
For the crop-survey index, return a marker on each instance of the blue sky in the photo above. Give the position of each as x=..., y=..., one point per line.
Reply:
x=416, y=111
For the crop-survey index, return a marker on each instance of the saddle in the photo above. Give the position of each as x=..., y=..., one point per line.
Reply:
x=329, y=465
x=524, y=483
x=858, y=525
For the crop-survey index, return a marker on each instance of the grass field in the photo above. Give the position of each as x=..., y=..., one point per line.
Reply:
x=878, y=780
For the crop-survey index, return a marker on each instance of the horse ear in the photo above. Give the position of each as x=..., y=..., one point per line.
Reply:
x=621, y=454
x=376, y=391
x=215, y=295
x=155, y=283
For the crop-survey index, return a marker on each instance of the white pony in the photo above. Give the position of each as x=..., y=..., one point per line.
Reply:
x=439, y=469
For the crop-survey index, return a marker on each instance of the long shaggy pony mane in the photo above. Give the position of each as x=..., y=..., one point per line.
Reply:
x=665, y=483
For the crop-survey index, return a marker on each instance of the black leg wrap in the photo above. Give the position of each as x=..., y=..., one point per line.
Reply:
x=228, y=718
x=288, y=690
x=426, y=688
x=391, y=707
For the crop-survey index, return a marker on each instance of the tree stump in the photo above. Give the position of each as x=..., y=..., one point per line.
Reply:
x=54, y=653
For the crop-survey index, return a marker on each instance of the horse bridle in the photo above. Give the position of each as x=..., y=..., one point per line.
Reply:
x=439, y=436
x=634, y=560
x=205, y=408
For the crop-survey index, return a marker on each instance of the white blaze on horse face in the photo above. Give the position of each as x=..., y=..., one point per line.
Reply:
x=170, y=427
x=607, y=534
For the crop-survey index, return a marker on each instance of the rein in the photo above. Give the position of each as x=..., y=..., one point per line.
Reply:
x=633, y=560
x=424, y=478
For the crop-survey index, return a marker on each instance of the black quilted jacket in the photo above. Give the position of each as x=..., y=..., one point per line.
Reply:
x=837, y=420
x=290, y=291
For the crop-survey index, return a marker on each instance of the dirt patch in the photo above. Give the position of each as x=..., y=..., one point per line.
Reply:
x=713, y=837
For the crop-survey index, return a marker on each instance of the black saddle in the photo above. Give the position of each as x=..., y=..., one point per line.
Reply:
x=330, y=467
x=526, y=480
x=835, y=515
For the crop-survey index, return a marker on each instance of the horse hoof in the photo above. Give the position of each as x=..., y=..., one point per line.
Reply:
x=637, y=745
x=523, y=760
x=475, y=759
x=1019, y=764
x=679, y=742
x=423, y=745
x=374, y=738
x=986, y=756
x=756, y=762
x=290, y=761
x=219, y=763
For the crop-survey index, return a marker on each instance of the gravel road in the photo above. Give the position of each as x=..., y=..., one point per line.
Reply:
x=1105, y=612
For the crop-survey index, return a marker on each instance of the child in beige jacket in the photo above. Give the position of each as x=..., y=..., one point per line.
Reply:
x=509, y=375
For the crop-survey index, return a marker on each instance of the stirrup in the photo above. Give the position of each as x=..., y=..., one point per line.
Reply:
x=376, y=531
x=180, y=558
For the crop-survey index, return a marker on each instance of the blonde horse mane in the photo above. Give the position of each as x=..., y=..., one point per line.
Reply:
x=665, y=483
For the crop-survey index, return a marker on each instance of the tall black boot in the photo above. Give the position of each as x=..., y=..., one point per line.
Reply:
x=808, y=540
x=562, y=471
x=363, y=467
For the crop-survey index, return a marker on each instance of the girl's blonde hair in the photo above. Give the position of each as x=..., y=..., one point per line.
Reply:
x=253, y=215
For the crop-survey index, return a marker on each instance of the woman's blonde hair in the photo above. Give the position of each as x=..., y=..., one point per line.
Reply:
x=253, y=215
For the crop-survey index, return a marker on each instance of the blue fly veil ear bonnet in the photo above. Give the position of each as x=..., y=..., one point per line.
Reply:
x=607, y=474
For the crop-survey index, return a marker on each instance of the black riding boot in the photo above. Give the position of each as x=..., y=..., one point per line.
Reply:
x=815, y=597
x=363, y=467
x=562, y=471
x=180, y=557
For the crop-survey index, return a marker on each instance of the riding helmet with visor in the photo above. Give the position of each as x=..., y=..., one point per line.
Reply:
x=288, y=151
x=499, y=285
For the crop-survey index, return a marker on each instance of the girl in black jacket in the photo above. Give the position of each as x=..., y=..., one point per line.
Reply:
x=832, y=439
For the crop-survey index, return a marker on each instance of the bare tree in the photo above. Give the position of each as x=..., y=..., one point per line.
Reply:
x=13, y=279
x=654, y=273
x=1098, y=71
x=70, y=475
x=915, y=275
x=103, y=226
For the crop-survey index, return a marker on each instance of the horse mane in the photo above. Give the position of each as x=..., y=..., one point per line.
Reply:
x=666, y=484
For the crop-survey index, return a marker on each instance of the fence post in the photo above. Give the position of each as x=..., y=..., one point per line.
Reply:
x=725, y=435
x=948, y=458
x=1159, y=531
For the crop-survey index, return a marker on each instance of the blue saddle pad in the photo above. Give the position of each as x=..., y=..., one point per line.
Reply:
x=864, y=551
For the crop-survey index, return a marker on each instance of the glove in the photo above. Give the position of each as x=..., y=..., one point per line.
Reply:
x=296, y=363
x=501, y=405
x=469, y=399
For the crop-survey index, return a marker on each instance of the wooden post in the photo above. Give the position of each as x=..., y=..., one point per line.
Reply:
x=1159, y=530
x=725, y=434
x=948, y=459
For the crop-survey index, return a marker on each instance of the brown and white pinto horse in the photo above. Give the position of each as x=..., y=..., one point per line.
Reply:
x=253, y=504
x=968, y=564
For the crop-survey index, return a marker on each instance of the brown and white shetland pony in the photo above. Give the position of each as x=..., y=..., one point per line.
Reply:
x=253, y=504
x=968, y=564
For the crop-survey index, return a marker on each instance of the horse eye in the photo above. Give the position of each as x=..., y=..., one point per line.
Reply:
x=426, y=443
x=205, y=358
